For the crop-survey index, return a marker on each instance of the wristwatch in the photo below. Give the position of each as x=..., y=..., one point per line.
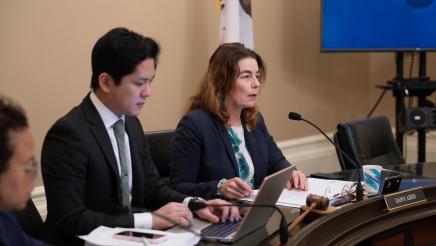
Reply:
x=219, y=186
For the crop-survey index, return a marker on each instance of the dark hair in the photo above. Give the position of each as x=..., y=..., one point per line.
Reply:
x=219, y=82
x=12, y=118
x=118, y=52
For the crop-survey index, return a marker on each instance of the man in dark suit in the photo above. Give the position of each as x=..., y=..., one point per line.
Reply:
x=96, y=166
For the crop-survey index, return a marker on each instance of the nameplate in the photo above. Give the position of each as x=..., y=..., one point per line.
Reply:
x=404, y=198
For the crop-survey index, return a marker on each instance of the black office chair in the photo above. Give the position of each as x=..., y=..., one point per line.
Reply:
x=30, y=220
x=367, y=142
x=160, y=150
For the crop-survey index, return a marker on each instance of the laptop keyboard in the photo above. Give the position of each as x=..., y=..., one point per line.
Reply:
x=221, y=229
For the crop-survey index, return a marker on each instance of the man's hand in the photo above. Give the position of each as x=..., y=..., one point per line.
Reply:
x=235, y=188
x=178, y=213
x=216, y=213
x=297, y=180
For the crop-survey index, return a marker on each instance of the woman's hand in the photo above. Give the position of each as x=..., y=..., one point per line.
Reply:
x=235, y=188
x=297, y=180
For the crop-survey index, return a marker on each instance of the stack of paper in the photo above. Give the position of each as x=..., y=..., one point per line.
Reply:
x=322, y=187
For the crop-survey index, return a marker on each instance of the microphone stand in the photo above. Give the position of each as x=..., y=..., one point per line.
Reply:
x=359, y=188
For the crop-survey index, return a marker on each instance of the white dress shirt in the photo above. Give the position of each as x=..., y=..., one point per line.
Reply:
x=141, y=220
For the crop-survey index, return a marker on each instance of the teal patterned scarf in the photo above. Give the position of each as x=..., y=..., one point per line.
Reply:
x=242, y=162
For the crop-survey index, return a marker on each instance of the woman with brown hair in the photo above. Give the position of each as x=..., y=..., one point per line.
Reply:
x=221, y=146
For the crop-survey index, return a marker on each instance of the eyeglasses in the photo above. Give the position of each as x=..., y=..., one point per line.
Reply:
x=31, y=168
x=347, y=191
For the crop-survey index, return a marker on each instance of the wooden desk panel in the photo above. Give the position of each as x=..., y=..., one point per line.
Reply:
x=369, y=222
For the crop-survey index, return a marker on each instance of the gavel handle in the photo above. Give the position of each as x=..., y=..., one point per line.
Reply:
x=301, y=217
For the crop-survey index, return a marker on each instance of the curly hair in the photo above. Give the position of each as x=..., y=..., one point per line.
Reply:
x=219, y=82
x=12, y=118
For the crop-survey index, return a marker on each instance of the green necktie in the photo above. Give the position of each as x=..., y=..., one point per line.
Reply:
x=119, y=130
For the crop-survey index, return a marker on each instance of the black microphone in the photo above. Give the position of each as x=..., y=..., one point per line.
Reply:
x=196, y=204
x=294, y=116
x=359, y=188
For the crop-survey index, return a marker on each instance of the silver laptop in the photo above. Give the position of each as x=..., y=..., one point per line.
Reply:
x=255, y=217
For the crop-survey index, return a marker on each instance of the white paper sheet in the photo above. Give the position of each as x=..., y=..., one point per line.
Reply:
x=103, y=235
x=297, y=198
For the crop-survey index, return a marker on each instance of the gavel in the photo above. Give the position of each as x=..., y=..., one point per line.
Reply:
x=317, y=202
x=312, y=202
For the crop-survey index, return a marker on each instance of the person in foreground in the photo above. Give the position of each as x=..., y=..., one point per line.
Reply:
x=221, y=146
x=96, y=166
x=17, y=171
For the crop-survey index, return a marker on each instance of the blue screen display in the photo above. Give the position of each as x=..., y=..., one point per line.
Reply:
x=378, y=25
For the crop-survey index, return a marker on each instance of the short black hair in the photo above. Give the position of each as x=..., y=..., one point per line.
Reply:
x=12, y=118
x=118, y=52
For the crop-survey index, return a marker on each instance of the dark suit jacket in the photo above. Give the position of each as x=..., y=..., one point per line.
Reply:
x=81, y=177
x=11, y=233
x=202, y=154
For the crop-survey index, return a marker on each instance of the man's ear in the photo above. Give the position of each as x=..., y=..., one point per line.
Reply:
x=106, y=82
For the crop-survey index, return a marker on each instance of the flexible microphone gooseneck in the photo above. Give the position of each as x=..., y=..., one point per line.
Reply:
x=283, y=229
x=359, y=188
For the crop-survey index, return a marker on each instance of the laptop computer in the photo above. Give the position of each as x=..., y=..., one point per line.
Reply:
x=255, y=217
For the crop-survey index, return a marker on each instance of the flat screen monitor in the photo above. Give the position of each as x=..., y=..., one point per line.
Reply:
x=378, y=25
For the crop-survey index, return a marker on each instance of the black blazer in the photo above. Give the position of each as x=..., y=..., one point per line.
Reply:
x=202, y=154
x=81, y=177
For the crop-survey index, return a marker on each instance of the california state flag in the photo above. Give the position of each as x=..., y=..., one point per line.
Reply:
x=236, y=22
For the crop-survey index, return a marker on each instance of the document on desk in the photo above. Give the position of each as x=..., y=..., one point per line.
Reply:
x=106, y=236
x=297, y=198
